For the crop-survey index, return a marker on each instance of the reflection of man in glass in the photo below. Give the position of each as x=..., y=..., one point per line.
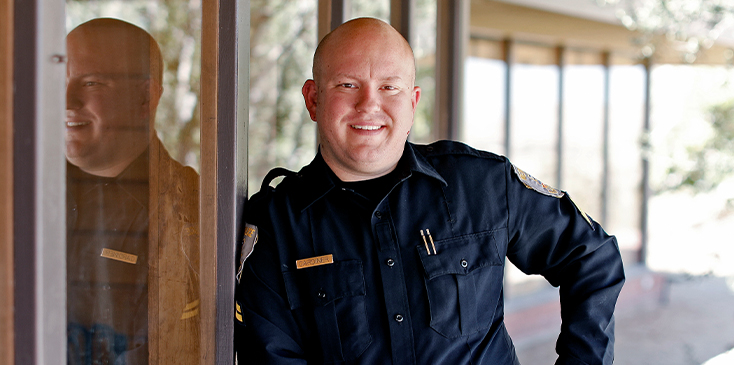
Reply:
x=132, y=240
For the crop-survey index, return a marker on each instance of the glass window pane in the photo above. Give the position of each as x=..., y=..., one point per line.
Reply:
x=583, y=132
x=533, y=132
x=379, y=9
x=132, y=147
x=423, y=43
x=691, y=168
x=626, y=112
x=424, y=49
x=484, y=116
x=534, y=117
x=282, y=42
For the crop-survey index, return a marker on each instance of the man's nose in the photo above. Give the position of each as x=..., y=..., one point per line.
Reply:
x=72, y=97
x=369, y=100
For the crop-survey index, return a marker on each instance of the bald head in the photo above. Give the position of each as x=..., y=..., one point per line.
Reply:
x=125, y=46
x=365, y=33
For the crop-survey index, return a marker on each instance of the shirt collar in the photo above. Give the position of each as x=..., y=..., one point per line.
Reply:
x=316, y=179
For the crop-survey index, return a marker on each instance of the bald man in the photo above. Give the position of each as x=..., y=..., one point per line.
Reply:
x=132, y=211
x=381, y=251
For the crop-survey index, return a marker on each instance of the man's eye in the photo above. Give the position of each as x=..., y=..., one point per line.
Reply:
x=347, y=85
x=90, y=83
x=389, y=87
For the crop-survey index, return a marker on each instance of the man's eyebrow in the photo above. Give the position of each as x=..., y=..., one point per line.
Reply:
x=116, y=75
x=340, y=76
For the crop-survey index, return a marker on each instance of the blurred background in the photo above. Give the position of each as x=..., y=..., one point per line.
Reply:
x=628, y=105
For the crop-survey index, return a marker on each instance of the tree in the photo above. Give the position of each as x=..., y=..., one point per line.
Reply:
x=710, y=162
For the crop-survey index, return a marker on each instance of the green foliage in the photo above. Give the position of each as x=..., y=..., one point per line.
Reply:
x=282, y=41
x=711, y=162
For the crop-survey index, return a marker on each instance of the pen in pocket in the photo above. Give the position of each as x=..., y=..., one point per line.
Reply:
x=425, y=243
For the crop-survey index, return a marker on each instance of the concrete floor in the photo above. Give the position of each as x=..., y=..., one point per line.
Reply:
x=689, y=324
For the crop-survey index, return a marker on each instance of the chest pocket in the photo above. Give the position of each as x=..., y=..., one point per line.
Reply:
x=335, y=293
x=464, y=283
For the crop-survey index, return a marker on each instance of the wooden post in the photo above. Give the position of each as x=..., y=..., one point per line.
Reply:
x=452, y=29
x=6, y=183
x=401, y=17
x=224, y=115
x=208, y=193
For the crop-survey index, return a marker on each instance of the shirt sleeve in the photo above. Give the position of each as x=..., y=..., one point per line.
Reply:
x=550, y=236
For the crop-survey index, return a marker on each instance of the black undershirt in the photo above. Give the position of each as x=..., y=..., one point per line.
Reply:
x=372, y=190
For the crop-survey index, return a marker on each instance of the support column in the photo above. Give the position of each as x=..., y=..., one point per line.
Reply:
x=401, y=17
x=645, y=184
x=331, y=14
x=224, y=119
x=452, y=36
x=606, y=62
x=507, y=56
x=561, y=63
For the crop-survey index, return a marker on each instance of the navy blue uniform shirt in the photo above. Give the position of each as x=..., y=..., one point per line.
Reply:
x=386, y=295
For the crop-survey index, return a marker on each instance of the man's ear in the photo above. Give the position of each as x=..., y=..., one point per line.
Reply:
x=310, y=96
x=152, y=92
x=415, y=97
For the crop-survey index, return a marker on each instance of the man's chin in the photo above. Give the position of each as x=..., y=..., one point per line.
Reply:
x=80, y=158
x=74, y=153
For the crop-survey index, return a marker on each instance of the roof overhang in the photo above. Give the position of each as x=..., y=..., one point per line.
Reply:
x=575, y=25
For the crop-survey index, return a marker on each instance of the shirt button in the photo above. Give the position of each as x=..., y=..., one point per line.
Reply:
x=321, y=294
x=464, y=264
x=390, y=262
x=398, y=318
x=378, y=214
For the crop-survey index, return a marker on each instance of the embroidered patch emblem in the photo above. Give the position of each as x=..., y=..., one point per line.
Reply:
x=248, y=245
x=532, y=183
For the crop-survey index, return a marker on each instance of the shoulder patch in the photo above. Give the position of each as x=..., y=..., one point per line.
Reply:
x=532, y=183
x=248, y=245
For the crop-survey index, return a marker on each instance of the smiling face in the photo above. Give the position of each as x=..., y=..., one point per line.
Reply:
x=108, y=96
x=363, y=98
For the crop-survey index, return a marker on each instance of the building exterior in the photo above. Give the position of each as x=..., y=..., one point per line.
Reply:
x=506, y=40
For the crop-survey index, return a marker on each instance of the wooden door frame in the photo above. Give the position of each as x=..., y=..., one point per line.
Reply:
x=224, y=118
x=6, y=183
x=38, y=216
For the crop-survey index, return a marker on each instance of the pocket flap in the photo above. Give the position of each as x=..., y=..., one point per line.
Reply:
x=461, y=255
x=320, y=285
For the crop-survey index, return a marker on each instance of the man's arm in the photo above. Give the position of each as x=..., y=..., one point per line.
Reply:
x=266, y=331
x=552, y=237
